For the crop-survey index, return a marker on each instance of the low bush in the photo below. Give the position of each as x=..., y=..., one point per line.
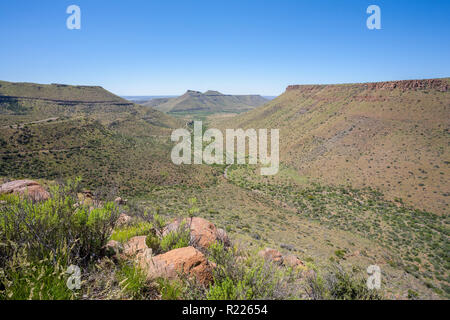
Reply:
x=241, y=278
x=132, y=280
x=176, y=239
x=125, y=233
x=338, y=284
x=40, y=240
x=152, y=241
x=57, y=223
x=170, y=289
x=24, y=279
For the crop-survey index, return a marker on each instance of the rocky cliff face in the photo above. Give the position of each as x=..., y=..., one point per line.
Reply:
x=442, y=85
x=437, y=84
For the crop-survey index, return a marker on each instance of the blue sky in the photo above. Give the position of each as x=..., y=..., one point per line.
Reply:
x=163, y=47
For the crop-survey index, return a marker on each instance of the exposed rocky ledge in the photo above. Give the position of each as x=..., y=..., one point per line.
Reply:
x=442, y=85
x=66, y=102
x=437, y=84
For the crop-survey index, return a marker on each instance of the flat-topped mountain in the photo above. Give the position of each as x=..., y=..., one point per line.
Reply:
x=210, y=101
x=29, y=102
x=58, y=92
x=59, y=131
x=388, y=135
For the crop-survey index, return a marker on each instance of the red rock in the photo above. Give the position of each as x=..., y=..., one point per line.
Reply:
x=425, y=84
x=203, y=232
x=135, y=246
x=186, y=261
x=293, y=261
x=271, y=255
x=123, y=220
x=31, y=188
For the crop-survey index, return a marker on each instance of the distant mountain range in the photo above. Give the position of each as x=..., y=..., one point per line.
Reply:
x=210, y=101
x=143, y=99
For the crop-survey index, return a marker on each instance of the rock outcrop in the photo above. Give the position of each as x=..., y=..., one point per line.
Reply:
x=123, y=220
x=186, y=261
x=271, y=255
x=30, y=188
x=437, y=84
x=404, y=85
x=203, y=232
x=135, y=246
x=293, y=261
x=277, y=257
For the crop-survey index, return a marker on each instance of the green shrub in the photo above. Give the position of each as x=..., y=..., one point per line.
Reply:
x=125, y=233
x=179, y=238
x=39, y=240
x=412, y=294
x=338, y=284
x=57, y=223
x=222, y=290
x=170, y=289
x=340, y=254
x=152, y=241
x=158, y=222
x=249, y=279
x=23, y=278
x=132, y=280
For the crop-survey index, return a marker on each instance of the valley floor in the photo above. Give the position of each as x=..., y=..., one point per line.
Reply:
x=256, y=217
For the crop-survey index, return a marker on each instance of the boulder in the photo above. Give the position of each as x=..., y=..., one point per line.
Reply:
x=119, y=201
x=203, y=232
x=223, y=237
x=183, y=261
x=30, y=188
x=135, y=246
x=293, y=261
x=137, y=249
x=123, y=220
x=271, y=255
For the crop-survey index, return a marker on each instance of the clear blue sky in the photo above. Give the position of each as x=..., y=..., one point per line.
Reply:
x=162, y=47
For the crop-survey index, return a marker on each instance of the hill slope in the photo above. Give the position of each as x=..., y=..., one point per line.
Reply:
x=210, y=101
x=390, y=135
x=60, y=131
x=29, y=102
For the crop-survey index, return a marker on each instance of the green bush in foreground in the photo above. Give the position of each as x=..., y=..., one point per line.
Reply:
x=338, y=284
x=57, y=223
x=132, y=280
x=176, y=239
x=25, y=279
x=40, y=240
x=126, y=233
x=244, y=278
x=170, y=289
